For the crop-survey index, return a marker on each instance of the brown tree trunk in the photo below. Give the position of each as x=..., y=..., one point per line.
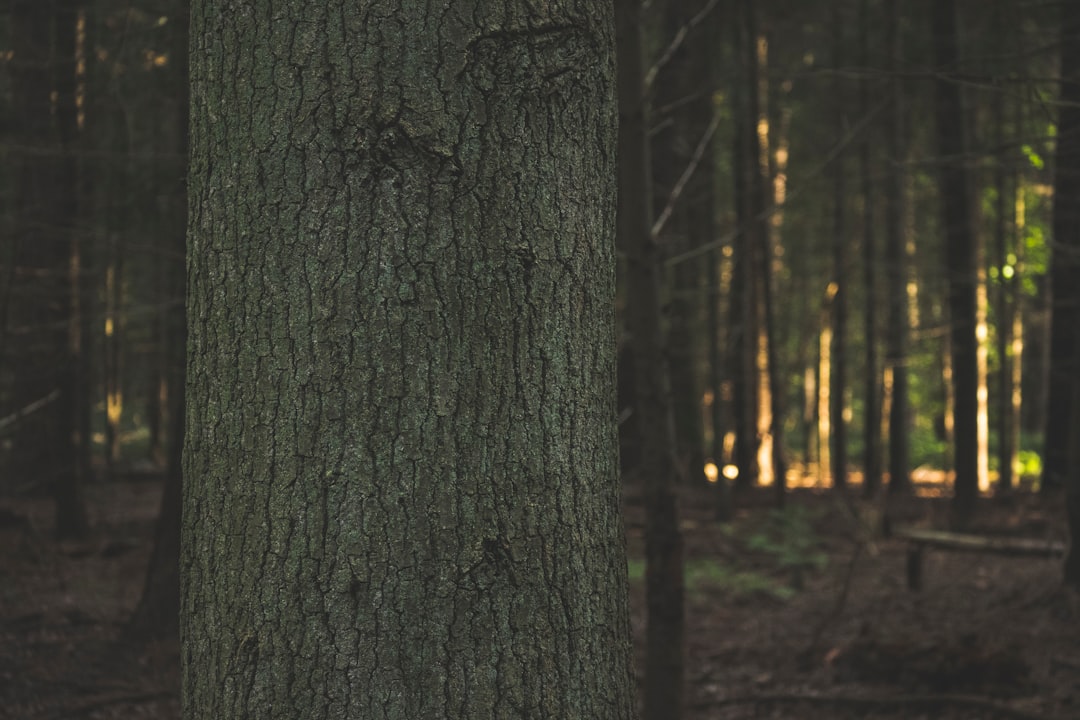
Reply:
x=43, y=64
x=896, y=263
x=872, y=404
x=665, y=622
x=960, y=260
x=1065, y=262
x=400, y=465
x=838, y=353
x=158, y=613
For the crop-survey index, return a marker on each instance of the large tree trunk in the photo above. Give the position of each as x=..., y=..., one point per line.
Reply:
x=960, y=254
x=1065, y=267
x=400, y=495
x=664, y=607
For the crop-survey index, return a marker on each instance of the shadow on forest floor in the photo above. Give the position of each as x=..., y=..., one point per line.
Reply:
x=794, y=614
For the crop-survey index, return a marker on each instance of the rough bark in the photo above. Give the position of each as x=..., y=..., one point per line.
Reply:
x=664, y=607
x=960, y=254
x=400, y=495
x=1065, y=261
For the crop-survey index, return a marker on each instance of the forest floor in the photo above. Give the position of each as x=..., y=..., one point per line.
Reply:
x=801, y=613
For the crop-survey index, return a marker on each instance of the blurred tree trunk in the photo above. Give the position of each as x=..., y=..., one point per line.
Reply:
x=872, y=403
x=841, y=248
x=1065, y=262
x=158, y=612
x=400, y=465
x=744, y=306
x=46, y=363
x=896, y=262
x=960, y=259
x=672, y=151
x=664, y=607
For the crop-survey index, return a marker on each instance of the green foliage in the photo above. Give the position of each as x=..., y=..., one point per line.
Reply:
x=1033, y=157
x=704, y=575
x=1030, y=463
x=788, y=536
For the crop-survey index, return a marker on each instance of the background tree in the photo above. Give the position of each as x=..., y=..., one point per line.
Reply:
x=960, y=253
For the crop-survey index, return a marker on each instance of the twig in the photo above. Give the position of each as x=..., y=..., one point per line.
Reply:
x=29, y=409
x=676, y=43
x=925, y=701
x=852, y=135
x=677, y=191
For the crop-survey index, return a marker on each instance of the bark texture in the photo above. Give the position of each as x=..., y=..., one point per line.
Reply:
x=400, y=495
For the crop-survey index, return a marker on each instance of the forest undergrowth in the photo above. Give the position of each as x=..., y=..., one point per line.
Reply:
x=795, y=613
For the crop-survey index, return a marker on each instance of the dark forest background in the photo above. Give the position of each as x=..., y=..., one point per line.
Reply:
x=864, y=219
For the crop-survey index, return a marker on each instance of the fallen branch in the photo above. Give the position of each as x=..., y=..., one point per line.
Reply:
x=973, y=702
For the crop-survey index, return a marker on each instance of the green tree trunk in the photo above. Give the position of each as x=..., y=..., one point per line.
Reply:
x=960, y=254
x=400, y=495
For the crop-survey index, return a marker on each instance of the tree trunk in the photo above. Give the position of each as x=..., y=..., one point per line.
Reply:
x=401, y=495
x=896, y=263
x=47, y=366
x=960, y=254
x=158, y=613
x=1065, y=261
x=664, y=607
x=838, y=354
x=672, y=146
x=872, y=404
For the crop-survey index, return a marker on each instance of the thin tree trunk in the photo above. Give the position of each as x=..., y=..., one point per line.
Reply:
x=872, y=405
x=1065, y=264
x=743, y=305
x=158, y=613
x=896, y=263
x=43, y=63
x=838, y=353
x=960, y=259
x=664, y=639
